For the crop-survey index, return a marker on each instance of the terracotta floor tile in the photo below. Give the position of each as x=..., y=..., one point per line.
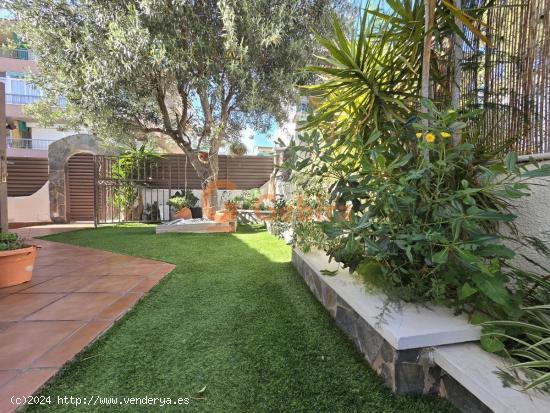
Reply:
x=146, y=285
x=16, y=306
x=53, y=270
x=4, y=325
x=112, y=283
x=69, y=283
x=61, y=284
x=7, y=375
x=73, y=345
x=16, y=288
x=121, y=307
x=25, y=384
x=76, y=306
x=24, y=342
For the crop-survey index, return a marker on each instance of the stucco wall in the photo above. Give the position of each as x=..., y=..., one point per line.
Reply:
x=534, y=217
x=32, y=208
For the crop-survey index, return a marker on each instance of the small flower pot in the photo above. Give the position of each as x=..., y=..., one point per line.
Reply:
x=16, y=266
x=184, y=213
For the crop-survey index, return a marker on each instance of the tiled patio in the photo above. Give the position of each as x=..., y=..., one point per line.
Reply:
x=75, y=295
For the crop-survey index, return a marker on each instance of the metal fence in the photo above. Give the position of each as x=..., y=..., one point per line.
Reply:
x=28, y=143
x=139, y=191
x=131, y=192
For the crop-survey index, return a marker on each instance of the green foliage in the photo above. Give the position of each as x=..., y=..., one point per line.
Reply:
x=178, y=202
x=526, y=339
x=248, y=199
x=430, y=220
x=10, y=241
x=424, y=228
x=130, y=170
x=237, y=149
x=183, y=199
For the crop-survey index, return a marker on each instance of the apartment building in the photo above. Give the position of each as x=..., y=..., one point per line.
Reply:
x=25, y=136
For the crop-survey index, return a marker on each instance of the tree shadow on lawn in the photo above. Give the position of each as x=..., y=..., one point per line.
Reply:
x=233, y=316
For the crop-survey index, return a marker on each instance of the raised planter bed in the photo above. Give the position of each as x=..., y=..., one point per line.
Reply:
x=415, y=349
x=196, y=226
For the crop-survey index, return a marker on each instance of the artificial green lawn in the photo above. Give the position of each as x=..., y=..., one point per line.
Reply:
x=233, y=316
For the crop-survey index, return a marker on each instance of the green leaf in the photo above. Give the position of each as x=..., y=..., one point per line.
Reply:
x=496, y=250
x=478, y=213
x=374, y=137
x=541, y=172
x=478, y=318
x=441, y=257
x=329, y=273
x=466, y=291
x=510, y=161
x=492, y=287
x=371, y=271
x=491, y=343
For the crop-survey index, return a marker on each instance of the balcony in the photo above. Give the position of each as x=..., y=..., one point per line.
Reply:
x=12, y=99
x=20, y=54
x=28, y=143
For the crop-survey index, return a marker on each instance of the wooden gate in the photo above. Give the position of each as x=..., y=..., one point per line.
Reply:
x=80, y=187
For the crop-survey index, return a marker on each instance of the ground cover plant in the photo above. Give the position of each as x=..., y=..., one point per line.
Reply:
x=233, y=316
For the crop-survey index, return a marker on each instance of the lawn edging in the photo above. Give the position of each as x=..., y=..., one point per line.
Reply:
x=415, y=349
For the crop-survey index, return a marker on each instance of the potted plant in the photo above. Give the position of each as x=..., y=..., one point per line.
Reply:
x=228, y=214
x=16, y=260
x=231, y=208
x=237, y=149
x=181, y=206
x=185, y=199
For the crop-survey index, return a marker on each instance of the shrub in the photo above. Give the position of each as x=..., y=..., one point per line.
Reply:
x=10, y=241
x=426, y=217
x=183, y=199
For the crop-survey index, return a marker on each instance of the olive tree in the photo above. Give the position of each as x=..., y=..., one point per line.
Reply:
x=196, y=71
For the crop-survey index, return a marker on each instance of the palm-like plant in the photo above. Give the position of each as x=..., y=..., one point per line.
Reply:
x=373, y=77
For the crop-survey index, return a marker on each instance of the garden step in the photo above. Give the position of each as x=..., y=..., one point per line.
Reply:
x=478, y=372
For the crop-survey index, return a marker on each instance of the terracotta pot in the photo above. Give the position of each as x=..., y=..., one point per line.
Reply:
x=224, y=216
x=184, y=213
x=16, y=266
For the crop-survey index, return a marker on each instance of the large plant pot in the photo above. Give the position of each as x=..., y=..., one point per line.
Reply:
x=196, y=212
x=184, y=213
x=16, y=266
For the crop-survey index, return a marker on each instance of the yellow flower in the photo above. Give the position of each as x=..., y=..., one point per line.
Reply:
x=430, y=137
x=445, y=135
x=419, y=135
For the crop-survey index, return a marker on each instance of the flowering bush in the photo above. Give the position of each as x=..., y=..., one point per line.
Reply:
x=427, y=215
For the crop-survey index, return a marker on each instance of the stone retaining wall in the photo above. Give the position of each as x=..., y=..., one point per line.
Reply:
x=404, y=371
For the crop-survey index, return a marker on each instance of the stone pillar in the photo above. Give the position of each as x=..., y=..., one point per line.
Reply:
x=59, y=153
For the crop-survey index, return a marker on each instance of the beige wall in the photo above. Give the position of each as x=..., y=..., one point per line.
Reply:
x=17, y=65
x=534, y=217
x=32, y=208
